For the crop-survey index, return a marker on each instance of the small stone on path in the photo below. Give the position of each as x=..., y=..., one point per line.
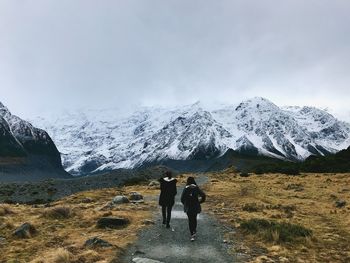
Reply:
x=145, y=260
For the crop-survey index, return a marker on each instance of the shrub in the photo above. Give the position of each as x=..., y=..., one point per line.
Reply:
x=59, y=212
x=275, y=231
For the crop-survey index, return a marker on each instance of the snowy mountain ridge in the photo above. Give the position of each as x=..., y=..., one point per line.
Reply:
x=26, y=152
x=94, y=141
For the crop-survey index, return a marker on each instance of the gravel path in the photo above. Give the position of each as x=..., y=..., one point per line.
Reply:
x=158, y=244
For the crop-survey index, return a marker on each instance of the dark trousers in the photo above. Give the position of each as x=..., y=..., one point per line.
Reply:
x=192, y=222
x=166, y=213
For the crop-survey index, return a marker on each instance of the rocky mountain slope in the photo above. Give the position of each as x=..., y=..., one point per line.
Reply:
x=94, y=141
x=26, y=152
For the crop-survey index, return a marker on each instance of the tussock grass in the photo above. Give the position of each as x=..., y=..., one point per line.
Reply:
x=60, y=212
x=275, y=231
x=60, y=255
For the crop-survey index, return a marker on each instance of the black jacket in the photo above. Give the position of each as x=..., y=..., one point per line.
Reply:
x=167, y=191
x=190, y=199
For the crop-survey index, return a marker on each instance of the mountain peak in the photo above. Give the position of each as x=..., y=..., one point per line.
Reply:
x=260, y=100
x=256, y=104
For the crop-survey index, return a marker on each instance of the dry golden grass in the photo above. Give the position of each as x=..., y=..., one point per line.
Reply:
x=64, y=227
x=5, y=210
x=307, y=200
x=59, y=255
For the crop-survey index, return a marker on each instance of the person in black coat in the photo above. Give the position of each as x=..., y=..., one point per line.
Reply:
x=167, y=196
x=192, y=204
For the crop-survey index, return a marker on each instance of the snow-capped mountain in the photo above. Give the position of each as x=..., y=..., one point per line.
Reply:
x=25, y=149
x=93, y=141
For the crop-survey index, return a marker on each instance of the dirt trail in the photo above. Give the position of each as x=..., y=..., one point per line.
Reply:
x=158, y=244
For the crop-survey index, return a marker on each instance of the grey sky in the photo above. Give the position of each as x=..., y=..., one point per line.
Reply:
x=82, y=53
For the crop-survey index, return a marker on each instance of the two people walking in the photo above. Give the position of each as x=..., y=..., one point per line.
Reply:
x=192, y=197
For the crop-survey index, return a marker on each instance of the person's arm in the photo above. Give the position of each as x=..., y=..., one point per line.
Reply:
x=202, y=195
x=183, y=197
x=175, y=189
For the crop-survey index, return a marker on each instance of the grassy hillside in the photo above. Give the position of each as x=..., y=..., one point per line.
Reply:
x=281, y=218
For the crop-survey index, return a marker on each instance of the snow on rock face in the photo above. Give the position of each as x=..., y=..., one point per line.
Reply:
x=99, y=140
x=20, y=138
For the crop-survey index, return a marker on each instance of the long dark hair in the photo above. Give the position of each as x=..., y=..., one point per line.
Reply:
x=168, y=174
x=190, y=180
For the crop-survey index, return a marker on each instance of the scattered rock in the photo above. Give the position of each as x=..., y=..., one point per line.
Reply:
x=25, y=231
x=145, y=260
x=340, y=203
x=112, y=222
x=97, y=242
x=120, y=199
x=135, y=196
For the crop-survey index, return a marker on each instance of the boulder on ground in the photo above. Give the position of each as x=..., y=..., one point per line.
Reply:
x=135, y=196
x=340, y=203
x=112, y=222
x=120, y=199
x=25, y=231
x=97, y=242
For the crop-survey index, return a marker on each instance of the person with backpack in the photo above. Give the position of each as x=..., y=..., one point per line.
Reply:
x=167, y=196
x=192, y=204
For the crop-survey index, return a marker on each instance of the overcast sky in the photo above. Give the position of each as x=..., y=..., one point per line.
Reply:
x=65, y=54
